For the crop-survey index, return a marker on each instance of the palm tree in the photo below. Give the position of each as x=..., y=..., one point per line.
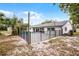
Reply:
x=2, y=16
x=13, y=24
x=16, y=24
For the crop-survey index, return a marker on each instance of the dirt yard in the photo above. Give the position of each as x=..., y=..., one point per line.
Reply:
x=13, y=45
x=58, y=46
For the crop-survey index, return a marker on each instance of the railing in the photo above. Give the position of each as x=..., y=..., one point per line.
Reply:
x=39, y=36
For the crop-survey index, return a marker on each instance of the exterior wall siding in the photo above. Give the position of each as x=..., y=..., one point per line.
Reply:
x=45, y=29
x=57, y=28
x=68, y=26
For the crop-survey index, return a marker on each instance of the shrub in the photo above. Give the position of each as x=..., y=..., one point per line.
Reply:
x=70, y=32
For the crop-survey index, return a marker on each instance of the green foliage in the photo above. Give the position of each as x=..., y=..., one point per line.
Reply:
x=14, y=22
x=2, y=18
x=76, y=33
x=16, y=25
x=78, y=26
x=72, y=9
x=24, y=26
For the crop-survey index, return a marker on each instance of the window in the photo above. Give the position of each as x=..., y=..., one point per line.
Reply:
x=41, y=29
x=65, y=28
x=37, y=29
x=52, y=29
x=48, y=29
x=34, y=29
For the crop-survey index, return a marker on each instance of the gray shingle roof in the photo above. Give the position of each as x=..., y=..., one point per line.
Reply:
x=54, y=23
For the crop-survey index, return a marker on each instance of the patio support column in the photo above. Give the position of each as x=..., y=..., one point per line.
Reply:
x=54, y=28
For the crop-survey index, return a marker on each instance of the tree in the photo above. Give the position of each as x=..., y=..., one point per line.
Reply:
x=72, y=9
x=14, y=22
x=2, y=16
x=14, y=25
x=4, y=20
x=24, y=26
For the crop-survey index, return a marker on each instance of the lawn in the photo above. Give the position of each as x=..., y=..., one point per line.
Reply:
x=76, y=33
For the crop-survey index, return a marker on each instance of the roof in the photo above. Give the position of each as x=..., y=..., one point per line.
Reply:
x=54, y=24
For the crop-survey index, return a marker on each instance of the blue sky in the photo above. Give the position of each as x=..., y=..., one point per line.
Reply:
x=39, y=11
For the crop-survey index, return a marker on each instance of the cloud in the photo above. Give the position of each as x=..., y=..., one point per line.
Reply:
x=35, y=17
x=7, y=13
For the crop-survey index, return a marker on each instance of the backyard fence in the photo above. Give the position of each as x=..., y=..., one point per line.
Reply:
x=39, y=36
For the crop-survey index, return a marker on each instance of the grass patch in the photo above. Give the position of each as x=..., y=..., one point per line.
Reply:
x=76, y=33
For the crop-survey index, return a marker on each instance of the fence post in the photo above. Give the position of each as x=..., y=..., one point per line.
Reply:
x=40, y=36
x=55, y=33
x=49, y=34
x=29, y=39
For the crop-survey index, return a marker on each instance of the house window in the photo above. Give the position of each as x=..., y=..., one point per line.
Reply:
x=41, y=29
x=48, y=29
x=37, y=29
x=34, y=29
x=65, y=28
x=52, y=29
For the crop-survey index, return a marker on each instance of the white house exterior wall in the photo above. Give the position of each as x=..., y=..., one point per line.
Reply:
x=31, y=29
x=57, y=28
x=68, y=26
x=45, y=29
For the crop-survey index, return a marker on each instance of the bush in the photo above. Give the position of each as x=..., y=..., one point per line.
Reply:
x=3, y=28
x=70, y=32
x=77, y=26
x=16, y=31
x=76, y=33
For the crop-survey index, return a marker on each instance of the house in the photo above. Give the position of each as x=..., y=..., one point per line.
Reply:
x=60, y=27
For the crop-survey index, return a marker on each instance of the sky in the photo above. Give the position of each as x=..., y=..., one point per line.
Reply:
x=39, y=11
